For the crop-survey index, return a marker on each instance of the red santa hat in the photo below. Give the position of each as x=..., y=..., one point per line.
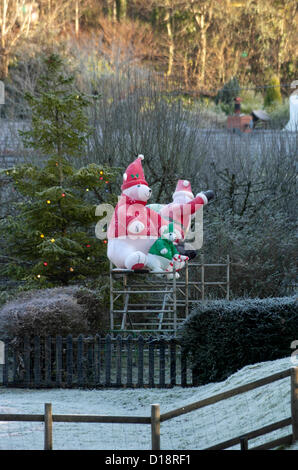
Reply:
x=183, y=187
x=134, y=174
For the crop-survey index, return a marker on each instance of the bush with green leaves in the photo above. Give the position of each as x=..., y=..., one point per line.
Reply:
x=225, y=96
x=224, y=336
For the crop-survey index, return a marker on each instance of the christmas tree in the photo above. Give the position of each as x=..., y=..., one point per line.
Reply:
x=51, y=238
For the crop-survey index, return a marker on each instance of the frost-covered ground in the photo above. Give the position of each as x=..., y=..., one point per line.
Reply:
x=195, y=430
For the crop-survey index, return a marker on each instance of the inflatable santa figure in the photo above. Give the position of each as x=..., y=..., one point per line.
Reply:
x=134, y=226
x=180, y=211
x=184, y=206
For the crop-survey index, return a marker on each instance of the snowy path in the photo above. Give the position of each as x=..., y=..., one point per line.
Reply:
x=196, y=430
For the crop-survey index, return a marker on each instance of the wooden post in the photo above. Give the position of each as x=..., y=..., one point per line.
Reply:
x=27, y=360
x=155, y=427
x=174, y=299
x=37, y=378
x=151, y=361
x=58, y=360
x=69, y=360
x=118, y=360
x=140, y=361
x=173, y=361
x=48, y=427
x=125, y=303
x=108, y=359
x=77, y=24
x=243, y=443
x=6, y=364
x=294, y=402
x=228, y=277
x=80, y=354
x=186, y=290
x=48, y=362
x=129, y=361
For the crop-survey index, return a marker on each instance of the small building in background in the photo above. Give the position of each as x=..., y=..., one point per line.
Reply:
x=260, y=118
x=239, y=122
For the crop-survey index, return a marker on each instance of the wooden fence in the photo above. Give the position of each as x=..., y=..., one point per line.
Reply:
x=48, y=418
x=156, y=418
x=96, y=362
x=243, y=440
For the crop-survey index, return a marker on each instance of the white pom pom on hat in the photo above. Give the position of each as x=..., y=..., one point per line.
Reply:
x=183, y=187
x=134, y=174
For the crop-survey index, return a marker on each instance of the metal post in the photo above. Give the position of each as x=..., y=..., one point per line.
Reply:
x=294, y=402
x=174, y=299
x=48, y=427
x=125, y=302
x=111, y=298
x=186, y=289
x=155, y=427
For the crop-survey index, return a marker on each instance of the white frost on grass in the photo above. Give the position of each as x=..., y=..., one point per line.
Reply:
x=196, y=430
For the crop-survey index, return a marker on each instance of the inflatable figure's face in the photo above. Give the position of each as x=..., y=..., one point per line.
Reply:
x=171, y=236
x=139, y=192
x=168, y=232
x=182, y=197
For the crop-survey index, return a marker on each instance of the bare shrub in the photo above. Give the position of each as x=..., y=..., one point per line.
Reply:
x=51, y=312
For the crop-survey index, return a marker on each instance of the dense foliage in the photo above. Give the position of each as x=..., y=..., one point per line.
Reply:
x=222, y=337
x=201, y=44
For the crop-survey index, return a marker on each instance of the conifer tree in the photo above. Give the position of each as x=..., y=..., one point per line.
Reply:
x=273, y=93
x=51, y=239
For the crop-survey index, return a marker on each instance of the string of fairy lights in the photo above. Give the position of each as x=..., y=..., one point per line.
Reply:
x=52, y=240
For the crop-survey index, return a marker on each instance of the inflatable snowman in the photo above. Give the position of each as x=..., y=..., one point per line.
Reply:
x=163, y=254
x=135, y=226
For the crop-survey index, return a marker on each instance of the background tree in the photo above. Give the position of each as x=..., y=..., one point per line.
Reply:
x=16, y=21
x=52, y=233
x=273, y=94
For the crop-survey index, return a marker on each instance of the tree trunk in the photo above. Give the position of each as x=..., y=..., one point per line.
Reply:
x=4, y=59
x=185, y=69
x=171, y=44
x=121, y=9
x=203, y=56
x=77, y=25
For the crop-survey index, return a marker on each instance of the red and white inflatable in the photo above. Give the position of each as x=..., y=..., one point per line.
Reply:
x=135, y=226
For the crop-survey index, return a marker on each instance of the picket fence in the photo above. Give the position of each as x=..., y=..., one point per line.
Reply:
x=94, y=362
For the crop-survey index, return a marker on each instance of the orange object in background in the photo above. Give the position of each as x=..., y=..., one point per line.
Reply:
x=239, y=122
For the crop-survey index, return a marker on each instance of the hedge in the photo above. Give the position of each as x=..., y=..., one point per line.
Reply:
x=224, y=336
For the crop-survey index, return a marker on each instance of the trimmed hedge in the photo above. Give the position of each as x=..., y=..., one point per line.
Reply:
x=224, y=336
